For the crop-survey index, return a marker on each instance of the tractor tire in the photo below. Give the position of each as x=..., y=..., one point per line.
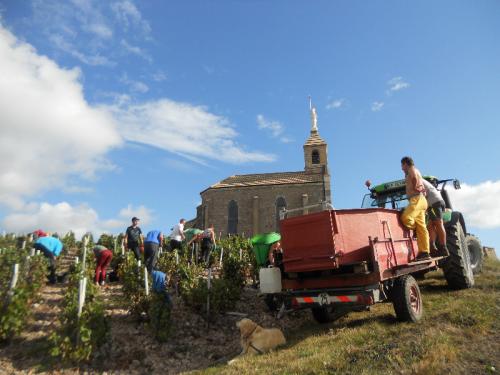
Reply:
x=457, y=267
x=475, y=253
x=328, y=314
x=407, y=299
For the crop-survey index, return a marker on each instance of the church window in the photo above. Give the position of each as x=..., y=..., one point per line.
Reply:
x=232, y=218
x=315, y=157
x=280, y=204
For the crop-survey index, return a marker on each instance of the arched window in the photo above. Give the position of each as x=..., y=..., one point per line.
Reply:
x=232, y=218
x=280, y=203
x=315, y=157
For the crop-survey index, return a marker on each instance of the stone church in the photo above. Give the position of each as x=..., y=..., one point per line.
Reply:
x=249, y=204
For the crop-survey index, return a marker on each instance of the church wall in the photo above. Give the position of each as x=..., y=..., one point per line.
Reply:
x=263, y=208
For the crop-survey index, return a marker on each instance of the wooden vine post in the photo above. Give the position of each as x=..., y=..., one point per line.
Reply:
x=146, y=284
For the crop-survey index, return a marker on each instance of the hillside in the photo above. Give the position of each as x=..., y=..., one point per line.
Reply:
x=459, y=334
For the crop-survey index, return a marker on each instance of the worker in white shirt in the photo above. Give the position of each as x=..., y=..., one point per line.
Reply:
x=177, y=236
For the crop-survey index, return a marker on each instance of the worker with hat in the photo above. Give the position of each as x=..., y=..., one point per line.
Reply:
x=134, y=238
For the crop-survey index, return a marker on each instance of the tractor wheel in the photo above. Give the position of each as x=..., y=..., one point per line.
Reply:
x=407, y=300
x=328, y=314
x=457, y=267
x=475, y=253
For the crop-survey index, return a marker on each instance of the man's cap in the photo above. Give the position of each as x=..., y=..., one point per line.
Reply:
x=135, y=218
x=40, y=233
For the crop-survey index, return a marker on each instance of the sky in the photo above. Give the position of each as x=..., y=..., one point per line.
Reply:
x=110, y=109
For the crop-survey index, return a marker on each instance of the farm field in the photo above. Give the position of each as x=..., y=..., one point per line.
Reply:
x=458, y=334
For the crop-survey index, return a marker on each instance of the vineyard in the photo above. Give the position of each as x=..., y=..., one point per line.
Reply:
x=126, y=324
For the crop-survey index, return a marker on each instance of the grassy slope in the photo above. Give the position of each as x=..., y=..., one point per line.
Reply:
x=459, y=334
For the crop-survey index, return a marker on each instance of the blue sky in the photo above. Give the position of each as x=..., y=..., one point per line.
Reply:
x=116, y=108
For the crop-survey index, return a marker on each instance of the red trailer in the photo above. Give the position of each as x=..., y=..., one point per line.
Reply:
x=336, y=261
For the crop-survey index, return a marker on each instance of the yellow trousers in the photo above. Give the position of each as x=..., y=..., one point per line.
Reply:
x=413, y=217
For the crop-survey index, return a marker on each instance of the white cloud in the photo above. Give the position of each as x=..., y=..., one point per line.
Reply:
x=72, y=18
x=275, y=127
x=136, y=50
x=91, y=30
x=377, y=106
x=135, y=86
x=184, y=129
x=63, y=217
x=479, y=204
x=159, y=76
x=50, y=135
x=92, y=19
x=52, y=139
x=396, y=84
x=64, y=45
x=129, y=16
x=335, y=104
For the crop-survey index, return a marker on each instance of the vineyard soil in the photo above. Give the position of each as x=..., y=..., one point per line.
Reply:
x=132, y=348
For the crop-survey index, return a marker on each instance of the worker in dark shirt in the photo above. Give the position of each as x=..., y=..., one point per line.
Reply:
x=134, y=238
x=153, y=240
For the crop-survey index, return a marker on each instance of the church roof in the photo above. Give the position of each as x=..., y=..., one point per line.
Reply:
x=262, y=179
x=314, y=139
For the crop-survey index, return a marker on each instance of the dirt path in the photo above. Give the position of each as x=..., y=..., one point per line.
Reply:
x=29, y=351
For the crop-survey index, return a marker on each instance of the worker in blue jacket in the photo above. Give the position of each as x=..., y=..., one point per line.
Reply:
x=160, y=285
x=51, y=247
x=152, y=243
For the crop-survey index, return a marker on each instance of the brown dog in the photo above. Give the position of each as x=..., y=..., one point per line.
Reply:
x=257, y=340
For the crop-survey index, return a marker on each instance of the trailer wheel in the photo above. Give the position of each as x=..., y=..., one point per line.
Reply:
x=328, y=314
x=457, y=267
x=475, y=254
x=407, y=300
x=321, y=314
x=271, y=302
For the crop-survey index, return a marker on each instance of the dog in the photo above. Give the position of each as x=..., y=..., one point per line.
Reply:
x=257, y=340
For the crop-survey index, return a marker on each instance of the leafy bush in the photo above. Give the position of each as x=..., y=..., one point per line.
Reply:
x=16, y=304
x=233, y=270
x=132, y=277
x=224, y=292
x=160, y=317
x=107, y=241
x=80, y=337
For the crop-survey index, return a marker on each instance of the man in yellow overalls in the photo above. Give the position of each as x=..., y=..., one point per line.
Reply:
x=413, y=217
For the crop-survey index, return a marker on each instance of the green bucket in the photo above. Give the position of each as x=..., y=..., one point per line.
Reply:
x=261, y=243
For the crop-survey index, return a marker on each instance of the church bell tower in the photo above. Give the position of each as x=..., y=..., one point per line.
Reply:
x=315, y=148
x=316, y=154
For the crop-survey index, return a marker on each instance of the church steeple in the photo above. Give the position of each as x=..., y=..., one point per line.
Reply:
x=315, y=148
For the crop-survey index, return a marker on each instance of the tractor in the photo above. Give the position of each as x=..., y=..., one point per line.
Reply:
x=335, y=261
x=392, y=195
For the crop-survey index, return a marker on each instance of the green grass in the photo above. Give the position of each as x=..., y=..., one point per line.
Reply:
x=459, y=334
